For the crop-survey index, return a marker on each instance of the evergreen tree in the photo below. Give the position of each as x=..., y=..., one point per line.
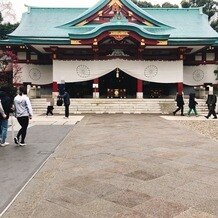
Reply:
x=210, y=7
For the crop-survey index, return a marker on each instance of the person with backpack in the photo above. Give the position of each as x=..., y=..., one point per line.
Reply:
x=7, y=107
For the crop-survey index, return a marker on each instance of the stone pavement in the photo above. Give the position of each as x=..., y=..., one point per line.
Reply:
x=125, y=166
x=18, y=164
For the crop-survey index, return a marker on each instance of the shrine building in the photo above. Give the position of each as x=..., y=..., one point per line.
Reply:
x=115, y=50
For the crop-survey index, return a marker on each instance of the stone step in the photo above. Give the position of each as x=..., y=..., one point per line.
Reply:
x=78, y=106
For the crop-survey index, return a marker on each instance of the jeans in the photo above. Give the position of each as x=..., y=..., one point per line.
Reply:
x=3, y=130
x=194, y=109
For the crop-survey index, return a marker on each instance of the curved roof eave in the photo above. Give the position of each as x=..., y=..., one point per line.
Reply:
x=192, y=41
x=34, y=40
x=142, y=13
x=216, y=43
x=103, y=3
x=86, y=13
x=112, y=27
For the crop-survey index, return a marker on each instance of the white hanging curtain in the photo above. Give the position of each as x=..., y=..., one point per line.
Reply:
x=152, y=71
x=198, y=75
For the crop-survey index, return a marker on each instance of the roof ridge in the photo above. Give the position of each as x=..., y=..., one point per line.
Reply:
x=197, y=8
x=48, y=7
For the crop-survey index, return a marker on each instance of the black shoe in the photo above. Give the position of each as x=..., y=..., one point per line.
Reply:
x=215, y=118
x=174, y=113
x=206, y=117
x=182, y=115
x=16, y=141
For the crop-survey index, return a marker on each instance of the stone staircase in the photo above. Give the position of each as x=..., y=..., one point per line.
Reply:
x=113, y=106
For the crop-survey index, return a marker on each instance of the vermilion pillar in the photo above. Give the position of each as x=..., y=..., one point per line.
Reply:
x=180, y=88
x=139, y=93
x=54, y=89
x=96, y=88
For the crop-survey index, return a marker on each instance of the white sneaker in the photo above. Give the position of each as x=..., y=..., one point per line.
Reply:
x=16, y=141
x=4, y=144
x=22, y=144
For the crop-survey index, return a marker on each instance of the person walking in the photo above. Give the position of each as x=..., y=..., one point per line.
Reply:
x=23, y=112
x=211, y=104
x=66, y=98
x=7, y=107
x=2, y=116
x=180, y=104
x=192, y=104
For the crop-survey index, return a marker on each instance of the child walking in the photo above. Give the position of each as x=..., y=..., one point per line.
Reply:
x=192, y=104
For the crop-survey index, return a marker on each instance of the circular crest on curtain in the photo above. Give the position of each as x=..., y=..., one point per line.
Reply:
x=198, y=75
x=151, y=71
x=35, y=74
x=83, y=71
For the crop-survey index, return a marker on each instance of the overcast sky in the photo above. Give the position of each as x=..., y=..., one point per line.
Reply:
x=19, y=8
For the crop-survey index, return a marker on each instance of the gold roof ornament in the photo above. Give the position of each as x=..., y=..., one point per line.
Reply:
x=162, y=42
x=147, y=23
x=112, y=2
x=82, y=23
x=142, y=42
x=75, y=42
x=119, y=35
x=95, y=42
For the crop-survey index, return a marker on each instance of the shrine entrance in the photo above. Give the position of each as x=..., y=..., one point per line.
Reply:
x=117, y=84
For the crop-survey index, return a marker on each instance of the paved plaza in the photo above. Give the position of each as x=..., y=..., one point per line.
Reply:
x=134, y=166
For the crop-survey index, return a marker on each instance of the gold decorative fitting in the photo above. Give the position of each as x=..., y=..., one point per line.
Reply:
x=115, y=8
x=112, y=2
x=147, y=23
x=8, y=46
x=130, y=13
x=119, y=35
x=100, y=13
x=95, y=42
x=162, y=43
x=82, y=23
x=142, y=42
x=75, y=42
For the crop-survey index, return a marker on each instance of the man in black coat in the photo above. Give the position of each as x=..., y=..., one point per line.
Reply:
x=66, y=98
x=180, y=104
x=211, y=104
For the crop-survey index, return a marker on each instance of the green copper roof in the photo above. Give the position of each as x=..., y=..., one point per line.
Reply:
x=108, y=26
x=187, y=23
x=55, y=25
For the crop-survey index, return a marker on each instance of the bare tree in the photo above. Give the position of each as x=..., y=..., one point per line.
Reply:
x=7, y=12
x=10, y=67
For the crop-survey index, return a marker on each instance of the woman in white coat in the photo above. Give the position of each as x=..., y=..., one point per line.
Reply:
x=23, y=112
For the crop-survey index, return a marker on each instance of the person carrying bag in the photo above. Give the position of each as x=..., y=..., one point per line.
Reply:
x=59, y=101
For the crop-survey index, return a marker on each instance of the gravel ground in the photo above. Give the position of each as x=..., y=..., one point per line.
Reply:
x=208, y=128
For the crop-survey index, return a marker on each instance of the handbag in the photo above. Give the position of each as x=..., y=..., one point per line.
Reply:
x=59, y=101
